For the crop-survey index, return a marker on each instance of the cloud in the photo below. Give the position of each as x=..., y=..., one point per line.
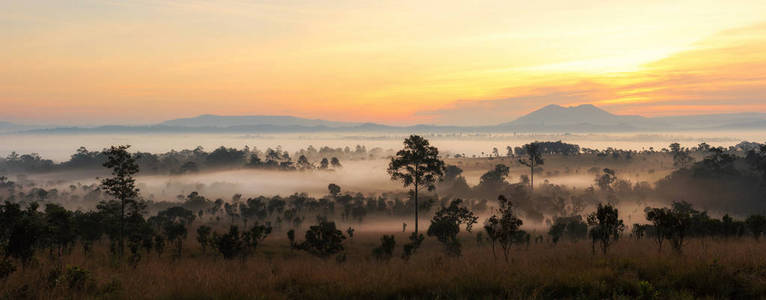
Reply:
x=721, y=74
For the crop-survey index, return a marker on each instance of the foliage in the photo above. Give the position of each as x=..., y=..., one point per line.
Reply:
x=503, y=227
x=445, y=225
x=323, y=239
x=606, y=226
x=671, y=224
x=417, y=165
x=203, y=237
x=122, y=186
x=532, y=158
x=385, y=251
x=409, y=249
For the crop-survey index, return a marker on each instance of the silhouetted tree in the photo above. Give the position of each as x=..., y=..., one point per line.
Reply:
x=385, y=251
x=230, y=244
x=445, y=225
x=323, y=239
x=409, y=248
x=533, y=159
x=606, y=226
x=671, y=224
x=122, y=186
x=756, y=224
x=417, y=165
x=203, y=237
x=503, y=226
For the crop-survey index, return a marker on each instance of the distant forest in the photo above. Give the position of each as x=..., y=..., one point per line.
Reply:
x=198, y=159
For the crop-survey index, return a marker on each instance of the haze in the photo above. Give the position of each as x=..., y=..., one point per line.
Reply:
x=400, y=62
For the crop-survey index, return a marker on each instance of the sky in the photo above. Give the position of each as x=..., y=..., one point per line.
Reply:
x=88, y=62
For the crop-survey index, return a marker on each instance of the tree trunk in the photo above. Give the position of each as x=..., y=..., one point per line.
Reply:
x=122, y=228
x=416, y=207
x=532, y=177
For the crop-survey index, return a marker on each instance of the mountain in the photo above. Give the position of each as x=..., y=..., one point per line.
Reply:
x=581, y=118
x=551, y=119
x=589, y=118
x=6, y=127
x=559, y=115
x=232, y=121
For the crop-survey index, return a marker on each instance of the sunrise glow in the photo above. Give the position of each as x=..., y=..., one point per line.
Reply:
x=397, y=62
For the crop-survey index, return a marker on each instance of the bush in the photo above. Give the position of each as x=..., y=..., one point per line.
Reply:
x=385, y=251
x=6, y=268
x=412, y=246
x=323, y=239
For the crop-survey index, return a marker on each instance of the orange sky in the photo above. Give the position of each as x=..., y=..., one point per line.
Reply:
x=395, y=62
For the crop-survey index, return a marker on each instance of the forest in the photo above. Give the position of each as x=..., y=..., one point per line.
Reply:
x=677, y=222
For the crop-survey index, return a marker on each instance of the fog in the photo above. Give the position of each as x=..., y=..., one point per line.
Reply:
x=355, y=176
x=565, y=185
x=59, y=147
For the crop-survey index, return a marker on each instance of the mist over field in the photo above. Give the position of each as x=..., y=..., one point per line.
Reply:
x=59, y=147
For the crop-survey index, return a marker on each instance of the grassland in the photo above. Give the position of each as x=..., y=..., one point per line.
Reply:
x=709, y=268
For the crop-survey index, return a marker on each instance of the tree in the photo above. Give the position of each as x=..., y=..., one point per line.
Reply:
x=606, y=179
x=681, y=158
x=334, y=190
x=203, y=237
x=385, y=251
x=671, y=224
x=230, y=244
x=324, y=164
x=122, y=186
x=409, y=248
x=493, y=180
x=323, y=239
x=606, y=226
x=445, y=225
x=417, y=165
x=335, y=162
x=756, y=224
x=303, y=163
x=173, y=222
x=240, y=244
x=89, y=229
x=533, y=159
x=59, y=228
x=20, y=231
x=504, y=227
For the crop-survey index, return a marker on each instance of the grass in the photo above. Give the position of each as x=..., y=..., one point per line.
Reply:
x=633, y=269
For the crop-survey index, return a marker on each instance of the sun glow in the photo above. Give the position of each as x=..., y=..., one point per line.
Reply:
x=372, y=61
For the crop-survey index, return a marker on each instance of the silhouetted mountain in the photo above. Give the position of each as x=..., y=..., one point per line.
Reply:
x=231, y=121
x=589, y=118
x=551, y=118
x=13, y=127
x=586, y=113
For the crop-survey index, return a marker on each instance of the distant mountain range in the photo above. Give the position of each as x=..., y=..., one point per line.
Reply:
x=236, y=121
x=549, y=119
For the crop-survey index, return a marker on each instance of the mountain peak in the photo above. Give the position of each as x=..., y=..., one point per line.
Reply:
x=572, y=115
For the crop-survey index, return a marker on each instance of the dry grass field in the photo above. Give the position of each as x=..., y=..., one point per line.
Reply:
x=709, y=268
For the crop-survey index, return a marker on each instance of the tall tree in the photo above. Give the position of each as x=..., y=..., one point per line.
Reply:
x=606, y=226
x=533, y=158
x=417, y=165
x=503, y=227
x=122, y=185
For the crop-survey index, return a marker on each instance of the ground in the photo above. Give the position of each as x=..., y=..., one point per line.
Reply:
x=708, y=268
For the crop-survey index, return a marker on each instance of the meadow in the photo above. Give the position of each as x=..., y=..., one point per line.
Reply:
x=708, y=268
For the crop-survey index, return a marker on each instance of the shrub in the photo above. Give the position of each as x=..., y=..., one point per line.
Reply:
x=385, y=251
x=412, y=246
x=323, y=239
